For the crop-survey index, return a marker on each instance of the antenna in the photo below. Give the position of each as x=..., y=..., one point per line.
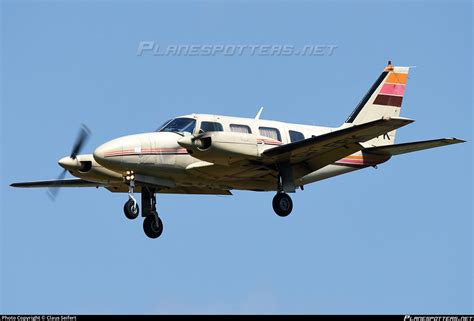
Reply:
x=259, y=113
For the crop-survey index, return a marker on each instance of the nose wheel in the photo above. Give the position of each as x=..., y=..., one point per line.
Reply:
x=131, y=209
x=282, y=204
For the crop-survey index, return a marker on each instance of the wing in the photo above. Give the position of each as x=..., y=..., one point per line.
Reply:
x=57, y=183
x=412, y=147
x=325, y=149
x=119, y=187
x=299, y=158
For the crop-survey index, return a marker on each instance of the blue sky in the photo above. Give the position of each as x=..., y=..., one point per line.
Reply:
x=393, y=240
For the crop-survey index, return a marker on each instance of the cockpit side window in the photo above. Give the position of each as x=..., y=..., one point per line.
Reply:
x=180, y=125
x=209, y=126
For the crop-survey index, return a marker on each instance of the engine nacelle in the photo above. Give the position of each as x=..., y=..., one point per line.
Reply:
x=87, y=168
x=223, y=148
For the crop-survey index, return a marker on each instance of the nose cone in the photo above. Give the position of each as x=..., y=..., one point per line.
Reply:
x=110, y=153
x=69, y=163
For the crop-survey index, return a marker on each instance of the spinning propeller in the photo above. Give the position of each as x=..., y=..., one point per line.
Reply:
x=71, y=160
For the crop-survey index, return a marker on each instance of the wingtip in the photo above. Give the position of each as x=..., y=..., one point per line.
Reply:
x=455, y=140
x=17, y=185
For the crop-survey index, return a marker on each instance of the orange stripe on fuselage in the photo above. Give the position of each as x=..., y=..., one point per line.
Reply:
x=367, y=160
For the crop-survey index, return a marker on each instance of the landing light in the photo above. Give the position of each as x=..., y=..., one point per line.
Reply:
x=129, y=176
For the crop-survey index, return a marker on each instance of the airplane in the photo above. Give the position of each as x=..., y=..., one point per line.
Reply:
x=212, y=154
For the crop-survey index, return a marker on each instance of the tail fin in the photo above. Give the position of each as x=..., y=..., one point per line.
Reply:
x=384, y=99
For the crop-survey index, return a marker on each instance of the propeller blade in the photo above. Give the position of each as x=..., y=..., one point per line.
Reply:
x=65, y=162
x=84, y=133
x=53, y=191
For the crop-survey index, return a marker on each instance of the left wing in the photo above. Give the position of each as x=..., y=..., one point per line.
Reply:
x=325, y=149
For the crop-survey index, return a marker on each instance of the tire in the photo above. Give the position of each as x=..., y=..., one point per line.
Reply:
x=131, y=212
x=282, y=204
x=150, y=227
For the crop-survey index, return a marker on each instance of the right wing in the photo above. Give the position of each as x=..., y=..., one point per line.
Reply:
x=120, y=187
x=77, y=182
x=173, y=190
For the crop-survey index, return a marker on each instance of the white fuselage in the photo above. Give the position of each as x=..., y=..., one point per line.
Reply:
x=158, y=154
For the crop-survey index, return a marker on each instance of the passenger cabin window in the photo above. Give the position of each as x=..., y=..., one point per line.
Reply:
x=209, y=126
x=179, y=125
x=295, y=136
x=270, y=132
x=240, y=129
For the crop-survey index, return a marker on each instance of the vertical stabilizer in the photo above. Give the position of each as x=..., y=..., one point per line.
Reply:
x=384, y=99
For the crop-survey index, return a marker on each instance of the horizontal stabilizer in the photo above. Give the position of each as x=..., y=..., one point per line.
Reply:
x=411, y=147
x=57, y=183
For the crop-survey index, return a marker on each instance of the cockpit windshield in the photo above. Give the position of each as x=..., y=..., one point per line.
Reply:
x=179, y=125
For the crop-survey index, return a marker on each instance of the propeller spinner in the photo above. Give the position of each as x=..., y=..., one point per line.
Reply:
x=70, y=162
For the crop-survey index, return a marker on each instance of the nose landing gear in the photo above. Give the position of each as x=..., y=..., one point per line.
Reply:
x=131, y=208
x=152, y=224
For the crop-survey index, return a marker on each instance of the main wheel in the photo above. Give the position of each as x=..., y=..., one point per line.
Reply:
x=152, y=227
x=131, y=209
x=282, y=204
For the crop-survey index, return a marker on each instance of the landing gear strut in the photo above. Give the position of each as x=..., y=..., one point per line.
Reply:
x=152, y=224
x=131, y=208
x=282, y=204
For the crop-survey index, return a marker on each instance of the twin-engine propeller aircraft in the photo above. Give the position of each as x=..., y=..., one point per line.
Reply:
x=206, y=154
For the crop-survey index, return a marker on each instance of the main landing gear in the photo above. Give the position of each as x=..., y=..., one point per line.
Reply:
x=152, y=224
x=282, y=204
